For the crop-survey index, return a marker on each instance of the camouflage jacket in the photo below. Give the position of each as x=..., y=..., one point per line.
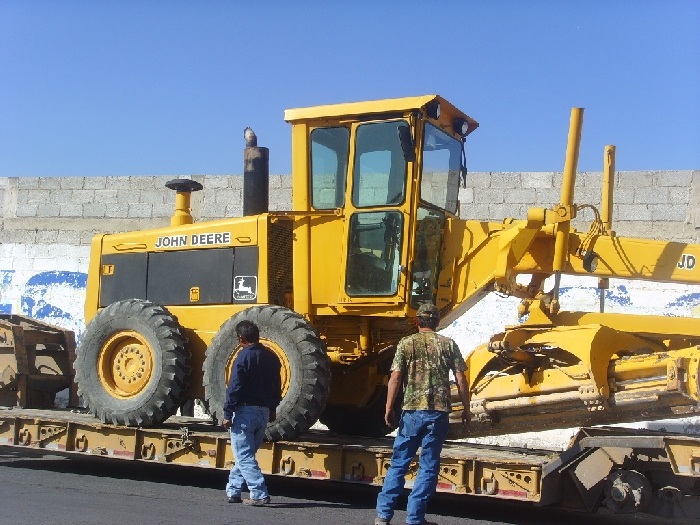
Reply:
x=425, y=360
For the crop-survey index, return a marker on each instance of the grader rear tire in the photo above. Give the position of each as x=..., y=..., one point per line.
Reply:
x=305, y=367
x=131, y=366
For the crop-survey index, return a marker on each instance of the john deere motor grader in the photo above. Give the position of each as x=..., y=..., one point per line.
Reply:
x=334, y=283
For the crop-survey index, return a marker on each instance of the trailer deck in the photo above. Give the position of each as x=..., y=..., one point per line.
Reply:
x=575, y=478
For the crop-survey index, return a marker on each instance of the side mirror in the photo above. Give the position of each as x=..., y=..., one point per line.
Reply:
x=409, y=150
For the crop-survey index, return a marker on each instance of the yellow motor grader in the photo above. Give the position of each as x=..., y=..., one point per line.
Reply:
x=334, y=283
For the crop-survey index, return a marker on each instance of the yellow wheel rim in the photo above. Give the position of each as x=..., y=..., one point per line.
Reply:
x=285, y=372
x=125, y=364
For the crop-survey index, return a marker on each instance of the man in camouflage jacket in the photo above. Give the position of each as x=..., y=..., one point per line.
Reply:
x=423, y=362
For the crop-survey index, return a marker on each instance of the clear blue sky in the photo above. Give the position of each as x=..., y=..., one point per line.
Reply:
x=167, y=87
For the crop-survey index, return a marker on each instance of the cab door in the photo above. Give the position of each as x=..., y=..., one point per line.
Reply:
x=329, y=153
x=377, y=216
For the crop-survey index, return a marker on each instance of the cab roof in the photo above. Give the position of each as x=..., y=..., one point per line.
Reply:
x=390, y=105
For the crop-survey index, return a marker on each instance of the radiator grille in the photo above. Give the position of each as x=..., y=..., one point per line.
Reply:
x=279, y=262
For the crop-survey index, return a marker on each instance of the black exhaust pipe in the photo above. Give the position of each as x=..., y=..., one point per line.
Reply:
x=256, y=176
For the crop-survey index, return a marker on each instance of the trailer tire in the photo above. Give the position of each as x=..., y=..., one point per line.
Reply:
x=305, y=367
x=132, y=367
x=365, y=422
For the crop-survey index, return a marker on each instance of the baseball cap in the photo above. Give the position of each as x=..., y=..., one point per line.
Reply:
x=428, y=310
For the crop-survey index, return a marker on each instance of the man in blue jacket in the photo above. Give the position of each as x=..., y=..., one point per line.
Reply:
x=253, y=394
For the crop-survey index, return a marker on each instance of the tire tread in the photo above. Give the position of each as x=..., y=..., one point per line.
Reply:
x=174, y=373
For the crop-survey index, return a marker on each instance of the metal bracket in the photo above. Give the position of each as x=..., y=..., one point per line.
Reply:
x=174, y=446
x=592, y=398
x=47, y=432
x=478, y=410
x=81, y=443
x=562, y=213
x=677, y=375
x=148, y=451
x=489, y=485
x=24, y=437
x=357, y=471
x=287, y=465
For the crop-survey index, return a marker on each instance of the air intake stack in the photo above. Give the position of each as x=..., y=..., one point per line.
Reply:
x=183, y=187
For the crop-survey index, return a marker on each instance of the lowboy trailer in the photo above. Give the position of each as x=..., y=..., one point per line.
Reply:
x=626, y=470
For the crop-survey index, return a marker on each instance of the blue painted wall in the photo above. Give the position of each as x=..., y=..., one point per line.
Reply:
x=54, y=297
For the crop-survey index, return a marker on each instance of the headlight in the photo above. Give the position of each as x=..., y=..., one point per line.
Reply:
x=461, y=126
x=433, y=109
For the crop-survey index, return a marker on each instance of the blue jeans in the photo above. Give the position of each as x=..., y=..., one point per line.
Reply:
x=247, y=433
x=417, y=428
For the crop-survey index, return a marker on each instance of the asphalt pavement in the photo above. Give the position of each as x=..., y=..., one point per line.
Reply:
x=42, y=488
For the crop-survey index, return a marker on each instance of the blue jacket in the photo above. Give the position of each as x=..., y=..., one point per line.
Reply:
x=255, y=380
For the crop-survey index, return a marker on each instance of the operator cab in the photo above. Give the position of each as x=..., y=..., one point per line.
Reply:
x=391, y=169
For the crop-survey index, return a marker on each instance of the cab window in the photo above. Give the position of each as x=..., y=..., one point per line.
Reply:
x=329, y=165
x=379, y=175
x=441, y=164
x=374, y=253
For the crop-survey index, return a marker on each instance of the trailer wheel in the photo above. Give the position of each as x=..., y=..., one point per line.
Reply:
x=305, y=367
x=366, y=422
x=131, y=366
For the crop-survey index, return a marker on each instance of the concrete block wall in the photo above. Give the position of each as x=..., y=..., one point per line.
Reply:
x=70, y=210
x=651, y=204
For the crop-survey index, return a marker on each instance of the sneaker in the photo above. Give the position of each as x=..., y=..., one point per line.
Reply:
x=234, y=499
x=381, y=521
x=257, y=502
x=427, y=523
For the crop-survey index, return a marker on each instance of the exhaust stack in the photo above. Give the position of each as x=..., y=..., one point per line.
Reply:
x=256, y=175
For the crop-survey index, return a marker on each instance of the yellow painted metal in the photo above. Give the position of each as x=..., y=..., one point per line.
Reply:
x=684, y=459
x=242, y=231
x=125, y=364
x=302, y=229
x=327, y=269
x=606, y=210
x=364, y=335
x=302, y=266
x=572, y=152
x=484, y=260
x=561, y=248
x=262, y=230
x=557, y=399
x=92, y=290
x=319, y=247
x=479, y=470
x=627, y=368
x=374, y=107
x=619, y=257
x=464, y=468
x=182, y=213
